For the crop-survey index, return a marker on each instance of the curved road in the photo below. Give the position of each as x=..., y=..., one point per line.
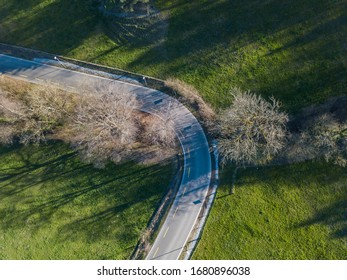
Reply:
x=196, y=178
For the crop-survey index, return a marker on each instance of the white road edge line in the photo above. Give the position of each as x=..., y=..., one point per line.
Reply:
x=166, y=232
x=156, y=252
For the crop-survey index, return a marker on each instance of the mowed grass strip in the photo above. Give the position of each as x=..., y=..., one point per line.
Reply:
x=289, y=212
x=53, y=206
x=293, y=50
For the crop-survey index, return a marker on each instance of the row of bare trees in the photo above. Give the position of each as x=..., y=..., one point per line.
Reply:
x=253, y=131
x=102, y=123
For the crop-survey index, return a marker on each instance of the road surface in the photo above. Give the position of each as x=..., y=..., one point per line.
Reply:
x=196, y=178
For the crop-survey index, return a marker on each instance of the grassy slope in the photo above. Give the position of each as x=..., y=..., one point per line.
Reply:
x=55, y=207
x=292, y=212
x=294, y=50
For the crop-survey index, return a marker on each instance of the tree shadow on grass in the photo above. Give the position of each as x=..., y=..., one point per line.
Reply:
x=206, y=37
x=30, y=170
x=197, y=26
x=13, y=7
x=137, y=33
x=323, y=177
x=57, y=26
x=48, y=183
x=333, y=216
x=126, y=215
x=109, y=223
x=295, y=175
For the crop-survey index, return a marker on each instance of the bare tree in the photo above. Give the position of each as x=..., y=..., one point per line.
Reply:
x=159, y=130
x=7, y=134
x=102, y=123
x=126, y=5
x=50, y=104
x=251, y=130
x=325, y=137
x=12, y=117
x=48, y=108
x=103, y=126
x=32, y=115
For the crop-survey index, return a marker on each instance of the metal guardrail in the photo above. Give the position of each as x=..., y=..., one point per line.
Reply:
x=22, y=52
x=31, y=54
x=145, y=80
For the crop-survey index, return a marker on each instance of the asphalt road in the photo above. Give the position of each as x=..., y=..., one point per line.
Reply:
x=197, y=162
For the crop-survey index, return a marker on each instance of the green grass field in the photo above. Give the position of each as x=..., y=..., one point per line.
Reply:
x=53, y=206
x=291, y=212
x=293, y=50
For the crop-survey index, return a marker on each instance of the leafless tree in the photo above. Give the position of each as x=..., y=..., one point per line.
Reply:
x=12, y=117
x=7, y=134
x=50, y=104
x=103, y=126
x=32, y=115
x=159, y=130
x=160, y=133
x=126, y=5
x=48, y=107
x=325, y=137
x=102, y=122
x=251, y=130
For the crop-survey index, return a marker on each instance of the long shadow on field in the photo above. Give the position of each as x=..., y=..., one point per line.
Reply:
x=54, y=26
x=8, y=7
x=295, y=175
x=314, y=179
x=49, y=183
x=334, y=216
x=206, y=37
x=196, y=26
x=17, y=179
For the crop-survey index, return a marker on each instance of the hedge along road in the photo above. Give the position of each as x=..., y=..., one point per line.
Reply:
x=193, y=190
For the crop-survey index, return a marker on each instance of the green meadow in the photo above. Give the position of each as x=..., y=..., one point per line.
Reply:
x=291, y=213
x=53, y=206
